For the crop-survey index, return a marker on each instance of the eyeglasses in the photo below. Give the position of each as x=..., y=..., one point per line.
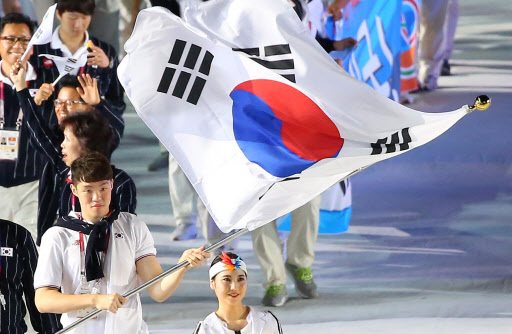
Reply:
x=14, y=40
x=69, y=103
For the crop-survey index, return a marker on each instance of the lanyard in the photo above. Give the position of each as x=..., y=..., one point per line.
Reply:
x=2, y=297
x=2, y=109
x=0, y=262
x=73, y=197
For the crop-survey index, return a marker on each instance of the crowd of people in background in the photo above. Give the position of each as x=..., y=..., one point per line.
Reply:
x=59, y=190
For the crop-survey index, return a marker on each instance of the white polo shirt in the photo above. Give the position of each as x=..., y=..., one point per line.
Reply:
x=258, y=322
x=59, y=267
x=56, y=43
x=31, y=75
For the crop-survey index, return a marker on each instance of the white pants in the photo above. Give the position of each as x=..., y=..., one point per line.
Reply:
x=301, y=241
x=450, y=26
x=432, y=41
x=187, y=207
x=19, y=205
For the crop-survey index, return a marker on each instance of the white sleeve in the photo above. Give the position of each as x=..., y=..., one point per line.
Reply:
x=199, y=328
x=145, y=244
x=49, y=265
x=273, y=326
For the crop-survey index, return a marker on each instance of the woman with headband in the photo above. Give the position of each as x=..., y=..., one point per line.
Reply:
x=228, y=278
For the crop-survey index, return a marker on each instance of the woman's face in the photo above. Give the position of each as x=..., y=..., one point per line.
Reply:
x=71, y=148
x=230, y=286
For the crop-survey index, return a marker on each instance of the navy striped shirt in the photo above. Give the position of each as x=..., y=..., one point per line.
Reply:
x=28, y=166
x=17, y=279
x=54, y=191
x=109, y=86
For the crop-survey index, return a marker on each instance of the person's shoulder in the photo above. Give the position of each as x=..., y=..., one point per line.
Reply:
x=120, y=175
x=42, y=47
x=208, y=322
x=129, y=222
x=103, y=45
x=267, y=317
x=4, y=224
x=126, y=217
x=56, y=236
x=9, y=227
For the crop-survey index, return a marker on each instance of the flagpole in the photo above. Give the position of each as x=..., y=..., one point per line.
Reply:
x=180, y=265
x=58, y=79
x=24, y=56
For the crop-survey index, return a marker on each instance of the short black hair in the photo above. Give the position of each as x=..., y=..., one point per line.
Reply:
x=85, y=7
x=16, y=18
x=91, y=167
x=92, y=131
x=70, y=81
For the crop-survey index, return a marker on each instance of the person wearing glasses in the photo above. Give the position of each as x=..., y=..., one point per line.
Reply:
x=20, y=164
x=94, y=127
x=71, y=39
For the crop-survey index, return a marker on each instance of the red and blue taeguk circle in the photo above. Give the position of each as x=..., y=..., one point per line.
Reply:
x=281, y=129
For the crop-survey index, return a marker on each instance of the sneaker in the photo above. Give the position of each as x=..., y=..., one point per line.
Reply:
x=160, y=162
x=184, y=232
x=303, y=279
x=276, y=295
x=445, y=68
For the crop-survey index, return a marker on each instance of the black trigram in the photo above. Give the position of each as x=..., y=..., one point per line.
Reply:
x=392, y=143
x=185, y=76
x=274, y=57
x=284, y=180
x=344, y=186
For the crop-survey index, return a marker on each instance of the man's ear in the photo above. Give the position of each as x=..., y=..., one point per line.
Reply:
x=59, y=15
x=111, y=183
x=212, y=284
x=73, y=189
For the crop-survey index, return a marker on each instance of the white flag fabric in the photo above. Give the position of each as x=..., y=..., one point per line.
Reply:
x=259, y=117
x=337, y=197
x=44, y=32
x=66, y=65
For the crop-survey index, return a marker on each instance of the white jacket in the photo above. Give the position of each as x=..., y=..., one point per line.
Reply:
x=258, y=322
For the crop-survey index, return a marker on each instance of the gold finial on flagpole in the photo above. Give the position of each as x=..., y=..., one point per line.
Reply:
x=482, y=102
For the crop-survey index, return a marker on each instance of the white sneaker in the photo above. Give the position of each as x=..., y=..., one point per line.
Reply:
x=184, y=232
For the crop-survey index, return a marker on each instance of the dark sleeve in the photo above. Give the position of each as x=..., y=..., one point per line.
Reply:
x=109, y=86
x=326, y=43
x=44, y=140
x=41, y=322
x=114, y=118
x=126, y=194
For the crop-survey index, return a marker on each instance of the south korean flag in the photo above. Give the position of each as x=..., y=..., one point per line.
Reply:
x=6, y=251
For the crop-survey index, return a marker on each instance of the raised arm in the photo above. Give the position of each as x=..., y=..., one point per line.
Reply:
x=43, y=138
x=89, y=92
